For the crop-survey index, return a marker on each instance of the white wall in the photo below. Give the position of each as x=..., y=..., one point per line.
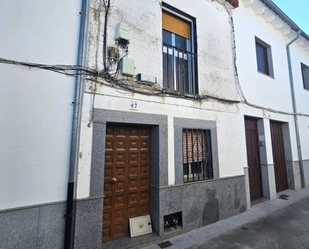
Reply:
x=36, y=105
x=257, y=20
x=215, y=71
x=299, y=55
x=260, y=89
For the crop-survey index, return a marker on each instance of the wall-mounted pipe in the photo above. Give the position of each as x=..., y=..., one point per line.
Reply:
x=76, y=124
x=301, y=167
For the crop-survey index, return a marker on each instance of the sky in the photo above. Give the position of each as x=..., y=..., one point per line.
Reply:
x=297, y=10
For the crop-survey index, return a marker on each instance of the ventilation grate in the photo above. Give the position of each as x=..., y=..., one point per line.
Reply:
x=284, y=197
x=165, y=244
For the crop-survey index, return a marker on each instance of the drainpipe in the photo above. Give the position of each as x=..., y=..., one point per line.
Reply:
x=76, y=124
x=301, y=167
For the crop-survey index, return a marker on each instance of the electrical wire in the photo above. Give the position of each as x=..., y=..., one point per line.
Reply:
x=110, y=79
x=105, y=33
x=63, y=69
x=237, y=81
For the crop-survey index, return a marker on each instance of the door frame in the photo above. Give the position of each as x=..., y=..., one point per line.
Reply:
x=259, y=171
x=291, y=168
x=159, y=159
x=126, y=176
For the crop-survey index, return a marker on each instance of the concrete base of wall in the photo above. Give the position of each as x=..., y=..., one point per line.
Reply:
x=40, y=226
x=293, y=172
x=306, y=172
x=88, y=226
x=201, y=203
x=246, y=171
x=268, y=181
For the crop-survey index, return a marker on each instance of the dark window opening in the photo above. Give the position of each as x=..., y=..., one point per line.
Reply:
x=263, y=57
x=179, y=54
x=197, y=155
x=262, y=62
x=305, y=74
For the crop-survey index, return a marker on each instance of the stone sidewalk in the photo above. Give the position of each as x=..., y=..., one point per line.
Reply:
x=204, y=234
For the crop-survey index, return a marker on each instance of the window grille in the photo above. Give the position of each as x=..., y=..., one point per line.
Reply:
x=179, y=54
x=197, y=156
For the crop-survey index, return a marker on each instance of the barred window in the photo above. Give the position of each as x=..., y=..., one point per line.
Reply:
x=197, y=156
x=179, y=52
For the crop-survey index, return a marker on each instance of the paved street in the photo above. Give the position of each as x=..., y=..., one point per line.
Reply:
x=287, y=228
x=278, y=224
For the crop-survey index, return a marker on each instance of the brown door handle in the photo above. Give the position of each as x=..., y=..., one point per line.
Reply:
x=114, y=180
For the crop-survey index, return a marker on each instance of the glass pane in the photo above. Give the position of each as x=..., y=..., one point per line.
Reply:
x=167, y=37
x=305, y=71
x=168, y=65
x=180, y=42
x=261, y=56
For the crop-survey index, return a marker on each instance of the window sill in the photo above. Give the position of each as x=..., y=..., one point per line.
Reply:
x=167, y=90
x=272, y=77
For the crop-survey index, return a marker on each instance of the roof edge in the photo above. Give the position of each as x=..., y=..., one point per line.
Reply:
x=234, y=3
x=284, y=17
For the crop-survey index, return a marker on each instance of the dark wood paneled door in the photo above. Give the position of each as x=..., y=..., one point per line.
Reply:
x=279, y=156
x=253, y=157
x=126, y=178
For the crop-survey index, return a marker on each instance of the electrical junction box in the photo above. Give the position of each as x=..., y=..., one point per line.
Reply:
x=122, y=33
x=147, y=79
x=127, y=67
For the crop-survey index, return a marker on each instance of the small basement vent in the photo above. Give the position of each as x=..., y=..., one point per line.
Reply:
x=165, y=244
x=172, y=222
x=284, y=197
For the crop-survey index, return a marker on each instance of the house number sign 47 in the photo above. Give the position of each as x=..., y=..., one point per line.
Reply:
x=133, y=105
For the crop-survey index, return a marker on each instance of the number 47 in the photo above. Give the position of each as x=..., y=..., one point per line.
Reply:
x=133, y=105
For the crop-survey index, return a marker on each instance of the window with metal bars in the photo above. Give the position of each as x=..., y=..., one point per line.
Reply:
x=179, y=51
x=197, y=155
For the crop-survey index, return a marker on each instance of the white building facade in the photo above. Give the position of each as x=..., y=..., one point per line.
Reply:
x=167, y=120
x=156, y=136
x=36, y=119
x=266, y=40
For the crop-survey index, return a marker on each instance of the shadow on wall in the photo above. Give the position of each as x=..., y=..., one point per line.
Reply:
x=211, y=208
x=211, y=211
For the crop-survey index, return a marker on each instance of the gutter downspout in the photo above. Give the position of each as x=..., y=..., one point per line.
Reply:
x=76, y=124
x=301, y=167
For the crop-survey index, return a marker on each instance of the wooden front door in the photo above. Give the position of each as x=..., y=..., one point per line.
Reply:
x=126, y=178
x=253, y=157
x=279, y=156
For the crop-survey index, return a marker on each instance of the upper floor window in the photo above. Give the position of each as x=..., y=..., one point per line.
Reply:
x=179, y=51
x=305, y=73
x=263, y=57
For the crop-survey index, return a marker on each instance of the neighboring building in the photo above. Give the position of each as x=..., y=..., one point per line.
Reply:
x=273, y=155
x=172, y=125
x=36, y=113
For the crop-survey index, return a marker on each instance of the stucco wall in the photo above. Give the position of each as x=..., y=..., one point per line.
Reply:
x=215, y=73
x=36, y=105
x=263, y=90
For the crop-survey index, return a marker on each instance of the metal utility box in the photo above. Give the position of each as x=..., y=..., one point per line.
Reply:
x=127, y=67
x=147, y=79
x=122, y=32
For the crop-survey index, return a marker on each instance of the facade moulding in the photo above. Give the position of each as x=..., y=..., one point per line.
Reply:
x=278, y=19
